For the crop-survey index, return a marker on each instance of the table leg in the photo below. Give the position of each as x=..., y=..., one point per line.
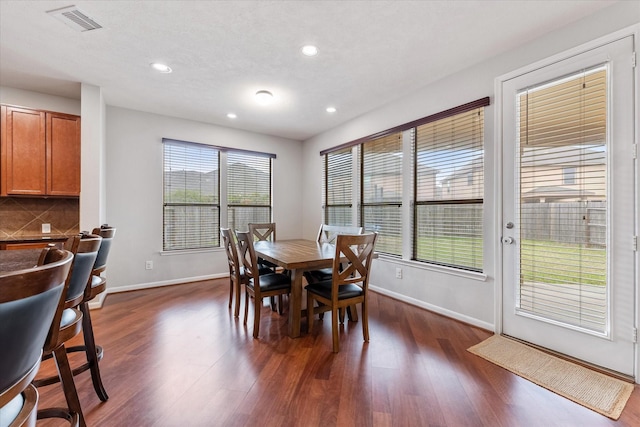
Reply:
x=295, y=303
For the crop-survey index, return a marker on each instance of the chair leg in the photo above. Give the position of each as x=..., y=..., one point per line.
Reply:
x=334, y=329
x=236, y=311
x=246, y=306
x=310, y=315
x=365, y=320
x=68, y=385
x=280, y=304
x=352, y=313
x=256, y=317
x=341, y=311
x=230, y=292
x=273, y=304
x=92, y=353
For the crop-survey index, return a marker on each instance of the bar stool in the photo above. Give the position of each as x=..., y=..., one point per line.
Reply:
x=30, y=300
x=85, y=249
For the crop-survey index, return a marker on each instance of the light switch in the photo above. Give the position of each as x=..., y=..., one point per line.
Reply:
x=46, y=228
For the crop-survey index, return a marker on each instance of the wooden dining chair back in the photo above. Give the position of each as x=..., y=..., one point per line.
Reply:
x=236, y=271
x=98, y=281
x=85, y=248
x=29, y=300
x=329, y=233
x=348, y=285
x=263, y=231
x=259, y=285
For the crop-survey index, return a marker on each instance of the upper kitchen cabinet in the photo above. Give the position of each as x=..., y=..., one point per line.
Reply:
x=40, y=153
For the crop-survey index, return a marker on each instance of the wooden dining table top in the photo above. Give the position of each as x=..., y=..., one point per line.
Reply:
x=297, y=253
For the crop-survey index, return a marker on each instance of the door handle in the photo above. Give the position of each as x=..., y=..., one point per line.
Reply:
x=508, y=240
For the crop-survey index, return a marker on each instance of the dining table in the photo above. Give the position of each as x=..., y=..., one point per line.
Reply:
x=297, y=256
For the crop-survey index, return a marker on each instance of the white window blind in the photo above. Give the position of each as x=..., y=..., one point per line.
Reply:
x=191, y=196
x=248, y=189
x=449, y=190
x=563, y=199
x=381, y=171
x=338, y=185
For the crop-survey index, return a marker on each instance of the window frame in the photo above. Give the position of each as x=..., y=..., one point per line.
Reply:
x=408, y=227
x=222, y=204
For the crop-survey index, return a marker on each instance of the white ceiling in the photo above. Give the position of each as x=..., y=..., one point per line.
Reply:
x=222, y=52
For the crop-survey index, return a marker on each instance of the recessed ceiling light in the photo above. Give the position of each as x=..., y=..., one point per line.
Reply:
x=331, y=109
x=231, y=115
x=309, y=50
x=264, y=97
x=162, y=68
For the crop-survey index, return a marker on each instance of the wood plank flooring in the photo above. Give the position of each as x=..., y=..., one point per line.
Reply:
x=176, y=356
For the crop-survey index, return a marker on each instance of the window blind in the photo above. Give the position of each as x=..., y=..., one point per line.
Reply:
x=248, y=189
x=191, y=196
x=338, y=185
x=449, y=190
x=381, y=171
x=562, y=204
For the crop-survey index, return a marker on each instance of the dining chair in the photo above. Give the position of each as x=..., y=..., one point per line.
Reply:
x=85, y=248
x=96, y=285
x=258, y=285
x=328, y=234
x=261, y=232
x=29, y=301
x=237, y=277
x=348, y=285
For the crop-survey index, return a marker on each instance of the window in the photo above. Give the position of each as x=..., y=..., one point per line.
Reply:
x=194, y=175
x=248, y=189
x=191, y=196
x=569, y=175
x=381, y=166
x=450, y=155
x=338, y=185
x=444, y=176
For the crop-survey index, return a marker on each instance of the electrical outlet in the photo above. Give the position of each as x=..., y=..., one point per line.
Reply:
x=148, y=265
x=398, y=273
x=46, y=228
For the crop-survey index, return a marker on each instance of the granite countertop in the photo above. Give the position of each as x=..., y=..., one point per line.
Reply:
x=35, y=238
x=18, y=260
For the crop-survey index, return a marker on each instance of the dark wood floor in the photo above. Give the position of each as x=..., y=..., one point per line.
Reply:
x=176, y=356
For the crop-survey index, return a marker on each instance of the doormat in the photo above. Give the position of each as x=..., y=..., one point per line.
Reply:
x=594, y=390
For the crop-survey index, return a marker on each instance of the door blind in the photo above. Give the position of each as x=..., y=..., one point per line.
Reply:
x=562, y=140
x=381, y=169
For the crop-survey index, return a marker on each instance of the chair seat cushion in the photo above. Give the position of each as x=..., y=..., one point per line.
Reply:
x=97, y=280
x=321, y=275
x=261, y=271
x=272, y=282
x=324, y=290
x=68, y=317
x=10, y=411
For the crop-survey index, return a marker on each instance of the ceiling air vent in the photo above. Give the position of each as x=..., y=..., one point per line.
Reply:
x=76, y=19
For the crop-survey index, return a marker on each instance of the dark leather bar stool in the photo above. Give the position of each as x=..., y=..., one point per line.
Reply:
x=85, y=249
x=30, y=303
x=97, y=284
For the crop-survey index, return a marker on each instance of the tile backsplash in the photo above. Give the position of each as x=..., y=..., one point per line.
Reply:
x=22, y=216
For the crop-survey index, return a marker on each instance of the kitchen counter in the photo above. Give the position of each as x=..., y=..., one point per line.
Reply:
x=18, y=260
x=33, y=242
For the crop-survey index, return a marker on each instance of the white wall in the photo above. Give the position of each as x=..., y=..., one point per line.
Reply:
x=39, y=101
x=466, y=297
x=134, y=195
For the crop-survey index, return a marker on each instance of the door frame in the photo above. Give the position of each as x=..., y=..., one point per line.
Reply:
x=499, y=81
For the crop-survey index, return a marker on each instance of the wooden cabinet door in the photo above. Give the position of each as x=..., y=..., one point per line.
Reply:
x=23, y=152
x=63, y=154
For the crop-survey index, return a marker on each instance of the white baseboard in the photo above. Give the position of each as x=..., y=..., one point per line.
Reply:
x=443, y=311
